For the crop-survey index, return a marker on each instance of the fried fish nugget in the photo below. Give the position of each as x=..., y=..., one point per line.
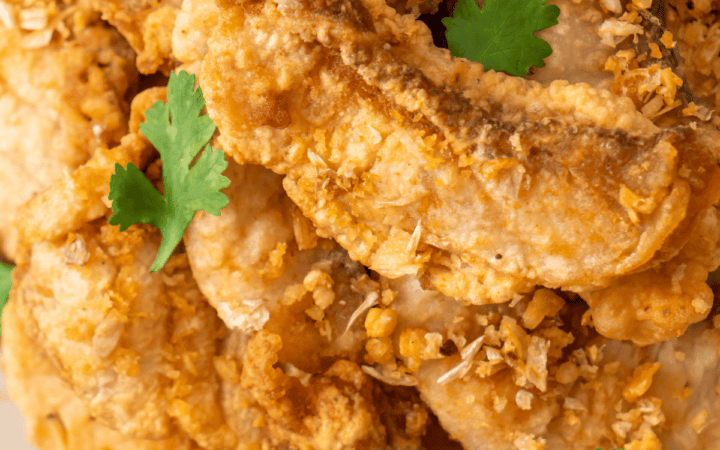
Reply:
x=81, y=197
x=523, y=377
x=134, y=346
x=59, y=101
x=665, y=299
x=56, y=417
x=95, y=309
x=147, y=26
x=418, y=163
x=262, y=266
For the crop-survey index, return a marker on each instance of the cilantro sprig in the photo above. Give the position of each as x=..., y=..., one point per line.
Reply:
x=5, y=285
x=500, y=35
x=179, y=133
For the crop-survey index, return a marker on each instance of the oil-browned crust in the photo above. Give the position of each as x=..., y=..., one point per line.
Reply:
x=382, y=135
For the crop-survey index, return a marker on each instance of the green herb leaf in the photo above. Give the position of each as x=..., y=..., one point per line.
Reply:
x=179, y=133
x=5, y=285
x=500, y=35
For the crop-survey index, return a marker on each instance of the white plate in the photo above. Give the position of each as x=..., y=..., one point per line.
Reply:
x=12, y=424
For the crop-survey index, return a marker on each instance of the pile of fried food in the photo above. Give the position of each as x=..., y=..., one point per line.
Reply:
x=417, y=254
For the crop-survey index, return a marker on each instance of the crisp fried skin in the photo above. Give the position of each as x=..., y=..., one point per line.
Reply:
x=81, y=197
x=59, y=101
x=164, y=33
x=665, y=299
x=135, y=346
x=261, y=265
x=418, y=163
x=147, y=26
x=56, y=417
x=331, y=411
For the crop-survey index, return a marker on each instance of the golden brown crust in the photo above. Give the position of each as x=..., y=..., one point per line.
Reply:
x=666, y=298
x=524, y=376
x=435, y=174
x=56, y=417
x=147, y=26
x=82, y=196
x=418, y=163
x=334, y=410
x=60, y=99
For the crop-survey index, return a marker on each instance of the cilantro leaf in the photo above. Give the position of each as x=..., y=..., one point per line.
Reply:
x=500, y=35
x=179, y=133
x=5, y=285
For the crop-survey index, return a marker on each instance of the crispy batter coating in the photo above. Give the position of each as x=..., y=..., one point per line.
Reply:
x=417, y=163
x=244, y=415
x=330, y=411
x=147, y=26
x=164, y=33
x=302, y=302
x=402, y=413
x=261, y=265
x=57, y=418
x=194, y=24
x=665, y=299
x=60, y=99
x=69, y=299
x=134, y=346
x=410, y=241
x=544, y=379
x=238, y=256
x=74, y=200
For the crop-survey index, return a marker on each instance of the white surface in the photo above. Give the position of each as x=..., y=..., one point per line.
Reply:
x=12, y=424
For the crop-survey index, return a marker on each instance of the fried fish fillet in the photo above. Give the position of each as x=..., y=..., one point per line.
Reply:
x=71, y=201
x=164, y=33
x=60, y=99
x=262, y=266
x=533, y=376
x=137, y=348
x=147, y=26
x=133, y=346
x=56, y=417
x=420, y=163
x=142, y=351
